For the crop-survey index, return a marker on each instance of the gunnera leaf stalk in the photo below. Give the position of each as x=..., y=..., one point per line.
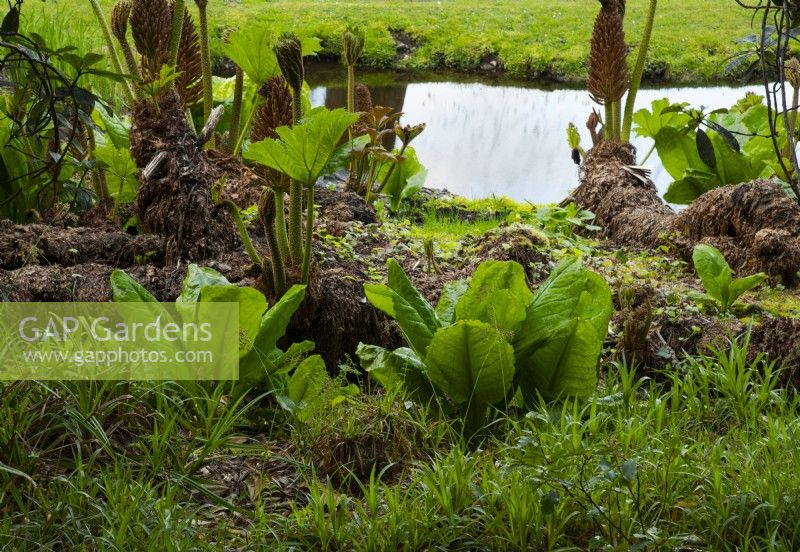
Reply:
x=276, y=111
x=353, y=40
x=205, y=52
x=247, y=242
x=638, y=71
x=112, y=51
x=608, y=70
x=236, y=111
x=289, y=53
x=267, y=210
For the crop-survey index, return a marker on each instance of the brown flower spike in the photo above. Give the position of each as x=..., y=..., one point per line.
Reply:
x=608, y=70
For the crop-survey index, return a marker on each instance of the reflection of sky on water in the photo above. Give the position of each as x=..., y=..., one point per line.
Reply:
x=483, y=140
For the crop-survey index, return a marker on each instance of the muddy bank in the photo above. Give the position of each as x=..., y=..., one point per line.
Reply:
x=41, y=244
x=755, y=224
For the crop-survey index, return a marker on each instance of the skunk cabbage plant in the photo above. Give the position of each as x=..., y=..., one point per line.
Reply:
x=491, y=337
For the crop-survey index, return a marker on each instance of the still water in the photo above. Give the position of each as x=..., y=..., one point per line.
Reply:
x=507, y=140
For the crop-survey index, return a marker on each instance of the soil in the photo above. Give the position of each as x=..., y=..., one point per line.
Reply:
x=39, y=244
x=779, y=338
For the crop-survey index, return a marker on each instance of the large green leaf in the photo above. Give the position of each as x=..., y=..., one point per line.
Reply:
x=734, y=167
x=693, y=184
x=405, y=304
x=121, y=172
x=400, y=369
x=251, y=48
x=650, y=122
x=255, y=365
x=498, y=294
x=124, y=289
x=252, y=305
x=303, y=152
x=197, y=278
x=558, y=344
x=115, y=129
x=677, y=150
x=451, y=293
x=471, y=362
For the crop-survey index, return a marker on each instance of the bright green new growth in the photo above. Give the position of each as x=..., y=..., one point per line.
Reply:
x=251, y=50
x=717, y=277
x=304, y=153
x=491, y=337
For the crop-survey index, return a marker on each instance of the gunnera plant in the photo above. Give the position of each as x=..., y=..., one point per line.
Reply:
x=276, y=111
x=608, y=70
x=289, y=53
x=151, y=23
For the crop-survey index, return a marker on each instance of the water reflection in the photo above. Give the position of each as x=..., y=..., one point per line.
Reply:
x=505, y=140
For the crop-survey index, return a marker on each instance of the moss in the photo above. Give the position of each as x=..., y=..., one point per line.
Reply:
x=780, y=302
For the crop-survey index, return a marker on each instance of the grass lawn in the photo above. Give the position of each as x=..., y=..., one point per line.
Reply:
x=545, y=39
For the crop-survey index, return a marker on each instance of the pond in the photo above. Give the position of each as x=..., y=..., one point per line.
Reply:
x=485, y=139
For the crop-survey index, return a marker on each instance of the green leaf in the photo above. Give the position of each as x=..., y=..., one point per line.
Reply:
x=559, y=342
x=451, y=293
x=406, y=179
x=732, y=166
x=304, y=151
x=117, y=130
x=741, y=285
x=124, y=289
x=251, y=48
x=284, y=362
x=663, y=114
x=252, y=305
x=677, y=150
x=121, y=172
x=304, y=388
x=471, y=362
x=400, y=369
x=694, y=184
x=705, y=148
x=401, y=301
x=382, y=298
x=197, y=278
x=255, y=365
x=714, y=272
x=498, y=295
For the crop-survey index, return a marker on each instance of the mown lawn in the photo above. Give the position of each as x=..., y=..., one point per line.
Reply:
x=533, y=39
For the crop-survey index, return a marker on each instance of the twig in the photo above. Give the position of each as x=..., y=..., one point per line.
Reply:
x=211, y=125
x=154, y=164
